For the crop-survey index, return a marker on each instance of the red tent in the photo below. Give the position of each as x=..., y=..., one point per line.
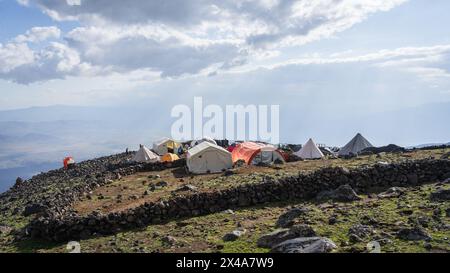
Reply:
x=231, y=148
x=67, y=161
x=248, y=151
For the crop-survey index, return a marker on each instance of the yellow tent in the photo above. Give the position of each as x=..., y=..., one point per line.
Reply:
x=166, y=145
x=169, y=157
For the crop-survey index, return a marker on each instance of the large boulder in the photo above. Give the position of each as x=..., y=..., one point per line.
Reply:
x=358, y=232
x=280, y=235
x=305, y=245
x=233, y=236
x=392, y=192
x=440, y=195
x=343, y=193
x=413, y=234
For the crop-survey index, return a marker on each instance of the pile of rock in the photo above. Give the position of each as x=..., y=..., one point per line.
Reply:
x=391, y=148
x=52, y=194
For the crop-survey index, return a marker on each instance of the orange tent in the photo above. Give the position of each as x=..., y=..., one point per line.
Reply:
x=253, y=153
x=67, y=161
x=169, y=157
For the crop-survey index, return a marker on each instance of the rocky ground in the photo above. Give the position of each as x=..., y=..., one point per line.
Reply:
x=413, y=219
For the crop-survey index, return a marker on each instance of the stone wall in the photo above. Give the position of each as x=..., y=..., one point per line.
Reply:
x=52, y=193
x=302, y=186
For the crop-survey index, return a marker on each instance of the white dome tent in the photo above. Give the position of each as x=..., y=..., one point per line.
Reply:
x=144, y=155
x=208, y=158
x=203, y=139
x=356, y=145
x=309, y=151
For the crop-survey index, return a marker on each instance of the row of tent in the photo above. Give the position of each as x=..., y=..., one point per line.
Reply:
x=357, y=144
x=205, y=156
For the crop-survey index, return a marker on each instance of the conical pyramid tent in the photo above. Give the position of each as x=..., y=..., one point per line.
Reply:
x=309, y=151
x=356, y=145
x=145, y=155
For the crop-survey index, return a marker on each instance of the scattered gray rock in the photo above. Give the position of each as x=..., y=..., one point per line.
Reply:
x=413, y=234
x=421, y=220
x=187, y=187
x=233, y=236
x=169, y=240
x=33, y=209
x=4, y=230
x=343, y=193
x=228, y=211
x=446, y=156
x=392, y=192
x=332, y=220
x=440, y=195
x=286, y=219
x=357, y=233
x=369, y=220
x=305, y=245
x=228, y=173
x=280, y=235
x=161, y=184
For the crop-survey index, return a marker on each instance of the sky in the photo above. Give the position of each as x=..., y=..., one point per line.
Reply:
x=329, y=58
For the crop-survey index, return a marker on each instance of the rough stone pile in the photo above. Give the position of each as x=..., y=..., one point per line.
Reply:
x=52, y=194
x=391, y=148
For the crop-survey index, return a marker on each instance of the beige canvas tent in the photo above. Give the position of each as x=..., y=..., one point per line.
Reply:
x=145, y=155
x=208, y=158
x=356, y=145
x=203, y=139
x=309, y=151
x=166, y=145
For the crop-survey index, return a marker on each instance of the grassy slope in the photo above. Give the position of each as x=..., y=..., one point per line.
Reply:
x=204, y=233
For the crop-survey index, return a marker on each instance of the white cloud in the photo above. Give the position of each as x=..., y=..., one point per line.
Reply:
x=181, y=37
x=22, y=64
x=429, y=63
x=38, y=34
x=13, y=55
x=136, y=47
x=254, y=22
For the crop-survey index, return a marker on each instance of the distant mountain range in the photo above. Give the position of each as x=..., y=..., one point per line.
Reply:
x=428, y=145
